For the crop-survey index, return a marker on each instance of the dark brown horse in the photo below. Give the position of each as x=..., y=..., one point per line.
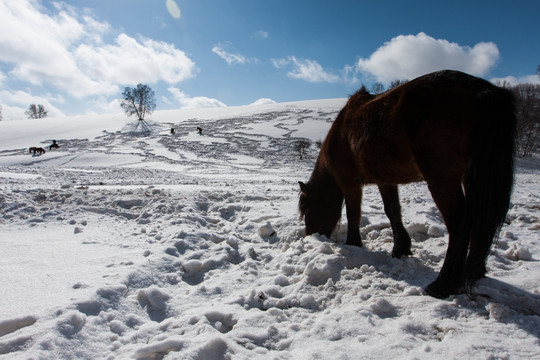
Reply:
x=37, y=150
x=454, y=131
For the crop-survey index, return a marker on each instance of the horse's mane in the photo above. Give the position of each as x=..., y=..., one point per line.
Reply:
x=360, y=97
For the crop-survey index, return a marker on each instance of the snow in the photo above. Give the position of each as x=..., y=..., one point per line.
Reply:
x=124, y=244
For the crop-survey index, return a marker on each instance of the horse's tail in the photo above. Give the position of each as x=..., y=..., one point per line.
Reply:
x=489, y=179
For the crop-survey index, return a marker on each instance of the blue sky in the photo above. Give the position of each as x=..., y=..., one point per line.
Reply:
x=76, y=57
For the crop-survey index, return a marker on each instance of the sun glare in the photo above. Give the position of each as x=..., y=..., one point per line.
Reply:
x=173, y=8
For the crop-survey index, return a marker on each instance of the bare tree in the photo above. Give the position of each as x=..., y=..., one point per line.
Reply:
x=377, y=88
x=36, y=111
x=528, y=118
x=396, y=83
x=138, y=101
x=301, y=146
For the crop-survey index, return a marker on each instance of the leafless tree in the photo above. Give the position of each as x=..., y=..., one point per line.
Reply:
x=301, y=147
x=396, y=83
x=377, y=88
x=36, y=111
x=138, y=101
x=528, y=118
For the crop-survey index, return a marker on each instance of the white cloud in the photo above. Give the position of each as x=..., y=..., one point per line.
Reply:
x=15, y=103
x=103, y=105
x=280, y=63
x=305, y=69
x=512, y=80
x=409, y=56
x=129, y=61
x=188, y=102
x=230, y=58
x=263, y=101
x=67, y=50
x=261, y=34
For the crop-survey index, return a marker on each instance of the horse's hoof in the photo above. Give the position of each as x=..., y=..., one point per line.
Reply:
x=439, y=292
x=400, y=253
x=354, y=243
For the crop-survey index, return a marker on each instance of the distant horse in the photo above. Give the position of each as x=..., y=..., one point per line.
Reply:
x=37, y=150
x=454, y=131
x=54, y=145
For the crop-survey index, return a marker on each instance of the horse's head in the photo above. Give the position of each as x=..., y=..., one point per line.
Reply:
x=320, y=211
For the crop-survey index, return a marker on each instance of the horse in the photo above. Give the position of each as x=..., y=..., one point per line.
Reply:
x=37, y=150
x=450, y=129
x=54, y=145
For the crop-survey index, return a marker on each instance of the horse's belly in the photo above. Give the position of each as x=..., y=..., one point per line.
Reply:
x=395, y=175
x=391, y=167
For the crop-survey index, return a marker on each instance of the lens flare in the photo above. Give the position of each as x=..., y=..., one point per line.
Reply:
x=173, y=8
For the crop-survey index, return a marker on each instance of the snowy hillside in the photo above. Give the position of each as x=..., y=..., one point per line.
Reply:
x=126, y=244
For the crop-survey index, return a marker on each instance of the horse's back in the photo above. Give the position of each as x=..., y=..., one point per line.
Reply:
x=427, y=122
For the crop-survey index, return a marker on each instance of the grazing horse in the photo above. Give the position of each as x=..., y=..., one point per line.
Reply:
x=54, y=145
x=37, y=150
x=454, y=131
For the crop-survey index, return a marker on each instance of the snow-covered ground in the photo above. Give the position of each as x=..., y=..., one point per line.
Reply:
x=123, y=244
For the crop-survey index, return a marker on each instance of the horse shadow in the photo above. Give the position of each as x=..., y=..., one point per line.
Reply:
x=408, y=269
x=507, y=304
x=491, y=297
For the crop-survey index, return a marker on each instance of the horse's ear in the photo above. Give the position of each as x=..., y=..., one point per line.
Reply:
x=303, y=188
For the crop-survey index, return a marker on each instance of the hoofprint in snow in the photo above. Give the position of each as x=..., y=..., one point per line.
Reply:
x=123, y=244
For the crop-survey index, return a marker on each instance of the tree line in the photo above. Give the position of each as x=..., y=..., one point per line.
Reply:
x=528, y=117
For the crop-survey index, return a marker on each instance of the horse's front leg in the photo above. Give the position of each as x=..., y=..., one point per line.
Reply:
x=392, y=209
x=353, y=200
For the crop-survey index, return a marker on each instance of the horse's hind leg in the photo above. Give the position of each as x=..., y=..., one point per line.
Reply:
x=451, y=202
x=402, y=240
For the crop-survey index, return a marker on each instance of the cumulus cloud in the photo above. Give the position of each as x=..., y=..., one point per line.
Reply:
x=130, y=61
x=230, y=58
x=188, y=102
x=67, y=50
x=305, y=69
x=409, y=56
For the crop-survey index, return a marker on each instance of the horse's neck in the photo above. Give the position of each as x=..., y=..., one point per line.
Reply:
x=323, y=180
